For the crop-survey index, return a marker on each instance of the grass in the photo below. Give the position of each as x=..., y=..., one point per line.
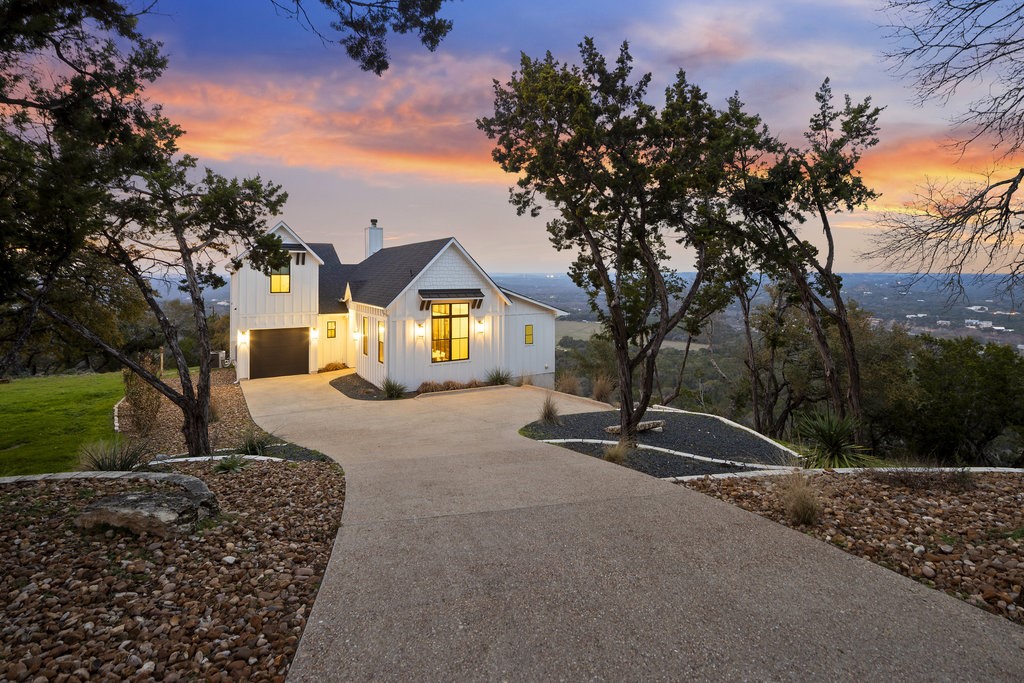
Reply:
x=799, y=499
x=47, y=419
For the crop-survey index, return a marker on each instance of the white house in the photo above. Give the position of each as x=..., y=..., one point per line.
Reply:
x=415, y=313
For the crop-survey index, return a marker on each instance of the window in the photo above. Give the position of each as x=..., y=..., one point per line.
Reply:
x=380, y=341
x=300, y=258
x=332, y=329
x=281, y=279
x=366, y=336
x=529, y=334
x=449, y=332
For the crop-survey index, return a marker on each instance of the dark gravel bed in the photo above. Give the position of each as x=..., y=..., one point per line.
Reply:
x=697, y=434
x=355, y=387
x=657, y=464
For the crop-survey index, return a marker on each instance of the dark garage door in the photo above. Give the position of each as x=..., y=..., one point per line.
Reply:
x=273, y=353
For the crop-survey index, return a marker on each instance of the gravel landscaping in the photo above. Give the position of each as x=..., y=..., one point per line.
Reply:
x=228, y=602
x=959, y=532
x=701, y=435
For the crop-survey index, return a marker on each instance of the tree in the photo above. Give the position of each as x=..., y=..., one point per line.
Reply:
x=959, y=228
x=364, y=25
x=630, y=184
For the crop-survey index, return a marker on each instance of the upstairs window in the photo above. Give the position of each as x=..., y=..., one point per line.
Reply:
x=332, y=329
x=529, y=334
x=281, y=279
x=449, y=332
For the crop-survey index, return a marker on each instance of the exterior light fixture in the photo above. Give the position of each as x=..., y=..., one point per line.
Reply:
x=243, y=337
x=357, y=335
x=420, y=332
x=479, y=326
x=314, y=333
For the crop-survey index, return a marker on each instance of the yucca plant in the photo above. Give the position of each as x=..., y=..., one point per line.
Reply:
x=115, y=455
x=232, y=463
x=392, y=389
x=499, y=376
x=828, y=442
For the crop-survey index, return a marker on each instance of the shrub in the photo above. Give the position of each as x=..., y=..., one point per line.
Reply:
x=602, y=388
x=232, y=463
x=526, y=381
x=452, y=385
x=830, y=443
x=567, y=384
x=392, y=389
x=799, y=500
x=115, y=455
x=331, y=367
x=549, y=412
x=429, y=387
x=142, y=398
x=255, y=441
x=499, y=376
x=616, y=454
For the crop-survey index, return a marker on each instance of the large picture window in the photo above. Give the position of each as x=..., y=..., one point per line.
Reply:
x=449, y=332
x=281, y=279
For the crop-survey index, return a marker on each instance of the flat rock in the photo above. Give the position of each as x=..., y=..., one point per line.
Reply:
x=161, y=514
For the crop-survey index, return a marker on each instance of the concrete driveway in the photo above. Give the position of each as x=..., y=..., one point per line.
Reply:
x=468, y=552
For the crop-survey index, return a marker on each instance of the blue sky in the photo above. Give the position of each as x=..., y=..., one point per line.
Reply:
x=259, y=94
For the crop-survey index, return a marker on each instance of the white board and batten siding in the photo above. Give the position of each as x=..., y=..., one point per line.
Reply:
x=336, y=349
x=256, y=308
x=368, y=365
x=536, y=360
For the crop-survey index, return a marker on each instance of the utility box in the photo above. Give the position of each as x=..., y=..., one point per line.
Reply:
x=218, y=359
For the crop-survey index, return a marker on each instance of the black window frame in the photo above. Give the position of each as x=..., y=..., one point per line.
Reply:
x=442, y=346
x=286, y=271
x=332, y=329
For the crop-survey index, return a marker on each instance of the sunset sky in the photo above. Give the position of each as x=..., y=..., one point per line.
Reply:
x=259, y=94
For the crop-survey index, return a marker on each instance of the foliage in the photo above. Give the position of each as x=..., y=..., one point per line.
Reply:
x=499, y=376
x=255, y=441
x=114, y=455
x=830, y=442
x=393, y=389
x=525, y=381
x=235, y=462
x=47, y=419
x=549, y=411
x=799, y=499
x=631, y=185
x=332, y=367
x=567, y=384
x=363, y=25
x=601, y=388
x=142, y=398
x=616, y=454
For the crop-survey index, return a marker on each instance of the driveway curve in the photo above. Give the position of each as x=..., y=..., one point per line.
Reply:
x=469, y=552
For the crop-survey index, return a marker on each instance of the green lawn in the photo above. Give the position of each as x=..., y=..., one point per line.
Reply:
x=43, y=420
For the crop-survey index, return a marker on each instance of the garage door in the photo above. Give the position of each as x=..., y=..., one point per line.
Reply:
x=278, y=352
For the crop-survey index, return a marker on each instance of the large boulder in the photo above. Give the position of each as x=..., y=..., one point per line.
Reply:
x=164, y=513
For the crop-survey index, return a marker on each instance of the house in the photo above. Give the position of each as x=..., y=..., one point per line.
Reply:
x=412, y=313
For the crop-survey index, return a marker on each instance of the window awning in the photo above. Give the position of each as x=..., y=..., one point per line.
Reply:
x=427, y=296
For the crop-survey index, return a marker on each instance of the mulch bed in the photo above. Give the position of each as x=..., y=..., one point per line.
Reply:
x=959, y=532
x=226, y=603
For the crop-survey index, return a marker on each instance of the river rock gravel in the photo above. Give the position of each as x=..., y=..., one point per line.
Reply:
x=228, y=602
x=959, y=532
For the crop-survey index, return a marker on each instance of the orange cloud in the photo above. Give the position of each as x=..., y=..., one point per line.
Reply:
x=421, y=123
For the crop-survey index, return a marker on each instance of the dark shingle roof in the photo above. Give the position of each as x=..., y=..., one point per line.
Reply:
x=382, y=277
x=333, y=276
x=451, y=294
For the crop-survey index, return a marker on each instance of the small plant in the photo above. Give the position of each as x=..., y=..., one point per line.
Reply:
x=549, y=412
x=331, y=367
x=115, y=455
x=602, y=388
x=255, y=441
x=141, y=397
x=232, y=463
x=568, y=384
x=829, y=442
x=617, y=453
x=799, y=500
x=526, y=381
x=392, y=389
x=429, y=387
x=499, y=376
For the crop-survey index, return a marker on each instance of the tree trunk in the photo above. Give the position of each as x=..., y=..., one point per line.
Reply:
x=196, y=427
x=828, y=364
x=755, y=380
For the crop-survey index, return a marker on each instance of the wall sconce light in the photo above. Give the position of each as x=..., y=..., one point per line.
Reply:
x=243, y=337
x=420, y=332
x=479, y=326
x=357, y=335
x=314, y=333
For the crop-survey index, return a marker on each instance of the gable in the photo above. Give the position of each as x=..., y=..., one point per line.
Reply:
x=380, y=279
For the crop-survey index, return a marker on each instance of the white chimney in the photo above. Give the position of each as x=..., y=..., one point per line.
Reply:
x=374, y=238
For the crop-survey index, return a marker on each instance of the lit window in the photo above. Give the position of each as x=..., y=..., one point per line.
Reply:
x=366, y=336
x=529, y=334
x=449, y=332
x=380, y=341
x=281, y=279
x=332, y=329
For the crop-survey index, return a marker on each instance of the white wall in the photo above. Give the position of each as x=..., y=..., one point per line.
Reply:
x=333, y=350
x=367, y=365
x=536, y=360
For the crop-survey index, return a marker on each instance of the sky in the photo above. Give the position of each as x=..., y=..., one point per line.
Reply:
x=257, y=93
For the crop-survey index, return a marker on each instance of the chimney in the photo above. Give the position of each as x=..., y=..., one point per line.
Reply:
x=374, y=238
